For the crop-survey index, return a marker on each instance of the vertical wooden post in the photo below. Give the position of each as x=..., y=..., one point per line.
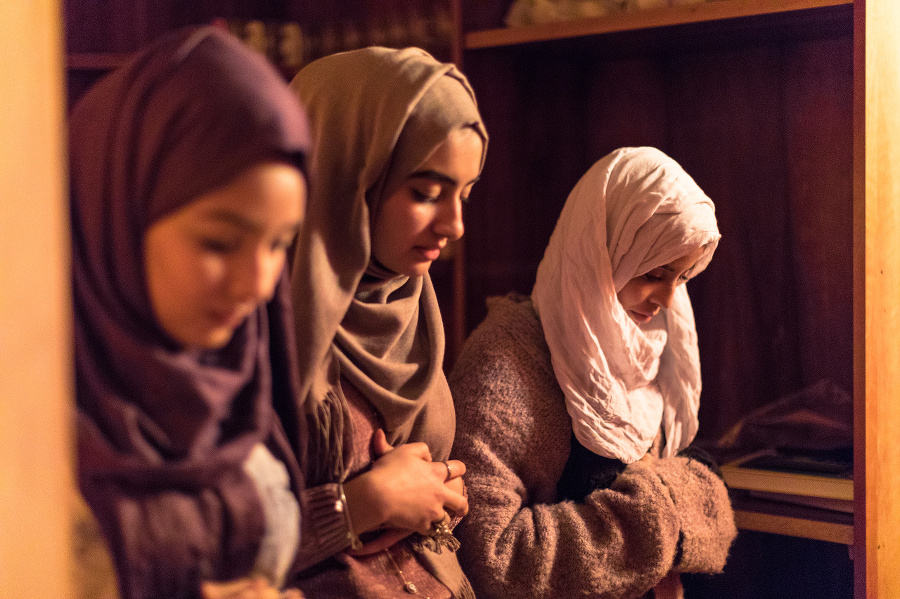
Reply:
x=877, y=292
x=35, y=349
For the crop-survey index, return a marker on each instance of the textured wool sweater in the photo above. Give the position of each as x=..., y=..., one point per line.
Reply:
x=519, y=540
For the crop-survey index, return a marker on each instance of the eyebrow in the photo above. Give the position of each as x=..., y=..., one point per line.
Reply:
x=231, y=218
x=440, y=177
x=668, y=268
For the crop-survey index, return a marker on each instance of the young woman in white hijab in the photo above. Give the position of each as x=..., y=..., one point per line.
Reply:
x=575, y=405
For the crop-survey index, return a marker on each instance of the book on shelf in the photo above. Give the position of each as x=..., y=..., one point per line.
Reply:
x=824, y=482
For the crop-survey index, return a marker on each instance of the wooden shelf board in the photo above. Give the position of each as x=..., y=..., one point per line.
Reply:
x=793, y=520
x=713, y=10
x=818, y=530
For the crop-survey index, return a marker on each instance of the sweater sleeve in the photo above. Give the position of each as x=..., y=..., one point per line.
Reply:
x=518, y=539
x=325, y=528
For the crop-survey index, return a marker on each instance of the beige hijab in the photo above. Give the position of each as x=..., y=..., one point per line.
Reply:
x=377, y=114
x=633, y=211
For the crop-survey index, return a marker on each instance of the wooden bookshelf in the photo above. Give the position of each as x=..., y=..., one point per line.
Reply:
x=759, y=99
x=711, y=11
x=793, y=520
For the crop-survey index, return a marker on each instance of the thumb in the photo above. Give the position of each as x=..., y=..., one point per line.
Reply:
x=380, y=443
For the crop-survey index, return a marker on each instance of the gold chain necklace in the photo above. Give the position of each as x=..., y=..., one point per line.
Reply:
x=408, y=586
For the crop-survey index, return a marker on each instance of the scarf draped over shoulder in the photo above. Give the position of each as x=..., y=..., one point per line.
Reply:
x=376, y=114
x=634, y=210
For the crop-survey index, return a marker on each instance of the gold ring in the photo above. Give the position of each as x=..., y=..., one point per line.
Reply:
x=449, y=473
x=440, y=527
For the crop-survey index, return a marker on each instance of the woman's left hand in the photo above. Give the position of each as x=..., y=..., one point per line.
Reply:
x=246, y=588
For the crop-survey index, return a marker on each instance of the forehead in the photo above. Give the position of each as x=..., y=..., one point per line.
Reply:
x=685, y=262
x=460, y=151
x=264, y=194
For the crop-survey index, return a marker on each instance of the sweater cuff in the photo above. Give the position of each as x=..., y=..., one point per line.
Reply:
x=704, y=511
x=326, y=518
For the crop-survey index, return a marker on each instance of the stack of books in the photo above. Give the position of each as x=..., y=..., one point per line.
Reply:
x=823, y=480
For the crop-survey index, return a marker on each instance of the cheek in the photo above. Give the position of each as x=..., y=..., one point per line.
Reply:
x=274, y=270
x=177, y=280
x=166, y=290
x=397, y=229
x=631, y=295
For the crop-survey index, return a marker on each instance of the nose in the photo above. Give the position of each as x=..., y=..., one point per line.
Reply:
x=662, y=295
x=449, y=222
x=253, y=278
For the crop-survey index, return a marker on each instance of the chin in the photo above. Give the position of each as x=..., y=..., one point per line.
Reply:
x=215, y=339
x=413, y=270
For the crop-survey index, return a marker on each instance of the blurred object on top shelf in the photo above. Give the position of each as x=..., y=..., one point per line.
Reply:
x=426, y=25
x=290, y=45
x=282, y=42
x=818, y=417
x=535, y=12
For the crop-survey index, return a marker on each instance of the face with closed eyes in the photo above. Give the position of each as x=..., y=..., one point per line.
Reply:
x=644, y=295
x=417, y=221
x=211, y=263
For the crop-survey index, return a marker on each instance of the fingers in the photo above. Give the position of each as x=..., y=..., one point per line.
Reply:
x=416, y=450
x=242, y=588
x=457, y=503
x=405, y=489
x=450, y=469
x=381, y=447
x=380, y=443
x=457, y=485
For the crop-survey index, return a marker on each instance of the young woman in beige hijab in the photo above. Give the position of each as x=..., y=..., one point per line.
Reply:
x=576, y=404
x=397, y=144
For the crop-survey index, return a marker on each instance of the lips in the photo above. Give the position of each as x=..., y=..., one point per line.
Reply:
x=228, y=318
x=430, y=253
x=640, y=317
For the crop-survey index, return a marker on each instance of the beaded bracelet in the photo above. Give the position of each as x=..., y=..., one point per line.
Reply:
x=342, y=506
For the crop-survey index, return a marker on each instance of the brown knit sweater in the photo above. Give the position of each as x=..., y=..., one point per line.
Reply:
x=519, y=540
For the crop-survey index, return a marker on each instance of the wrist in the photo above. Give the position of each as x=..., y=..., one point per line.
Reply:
x=363, y=509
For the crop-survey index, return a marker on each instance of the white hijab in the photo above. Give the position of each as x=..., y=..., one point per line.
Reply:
x=633, y=211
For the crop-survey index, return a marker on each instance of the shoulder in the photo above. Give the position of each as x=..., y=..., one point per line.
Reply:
x=504, y=387
x=510, y=335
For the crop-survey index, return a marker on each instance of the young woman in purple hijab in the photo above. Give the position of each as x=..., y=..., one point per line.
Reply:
x=188, y=185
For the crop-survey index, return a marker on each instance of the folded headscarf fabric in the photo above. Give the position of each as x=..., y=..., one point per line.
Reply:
x=377, y=114
x=634, y=210
x=180, y=119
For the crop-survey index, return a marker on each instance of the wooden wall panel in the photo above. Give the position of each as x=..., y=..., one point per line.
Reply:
x=773, y=309
x=818, y=112
x=727, y=132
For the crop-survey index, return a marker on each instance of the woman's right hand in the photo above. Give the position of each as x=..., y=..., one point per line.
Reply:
x=405, y=489
x=246, y=588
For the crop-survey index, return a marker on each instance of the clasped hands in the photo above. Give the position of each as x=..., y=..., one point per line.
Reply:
x=404, y=492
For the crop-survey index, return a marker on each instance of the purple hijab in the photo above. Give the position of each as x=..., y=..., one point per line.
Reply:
x=163, y=432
